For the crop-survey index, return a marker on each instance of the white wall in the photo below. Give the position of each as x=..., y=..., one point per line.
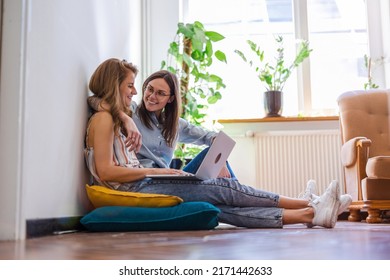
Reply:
x=49, y=50
x=10, y=123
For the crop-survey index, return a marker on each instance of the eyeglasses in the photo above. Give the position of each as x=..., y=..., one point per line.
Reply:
x=159, y=93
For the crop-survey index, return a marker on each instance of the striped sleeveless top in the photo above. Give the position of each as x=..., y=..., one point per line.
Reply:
x=121, y=157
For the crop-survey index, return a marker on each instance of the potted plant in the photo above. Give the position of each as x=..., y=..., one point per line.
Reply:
x=190, y=56
x=368, y=64
x=274, y=74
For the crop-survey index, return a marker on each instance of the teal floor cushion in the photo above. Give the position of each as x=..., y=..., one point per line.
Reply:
x=184, y=216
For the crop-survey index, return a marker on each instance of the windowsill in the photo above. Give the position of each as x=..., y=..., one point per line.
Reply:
x=280, y=119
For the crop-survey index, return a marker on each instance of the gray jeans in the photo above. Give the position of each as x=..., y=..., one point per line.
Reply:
x=240, y=205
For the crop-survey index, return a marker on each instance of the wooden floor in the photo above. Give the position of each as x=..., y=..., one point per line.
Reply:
x=348, y=240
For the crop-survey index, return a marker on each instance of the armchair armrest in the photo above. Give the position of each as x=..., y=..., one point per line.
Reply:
x=354, y=156
x=355, y=150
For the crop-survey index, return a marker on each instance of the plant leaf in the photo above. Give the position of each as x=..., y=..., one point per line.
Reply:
x=171, y=69
x=187, y=59
x=198, y=25
x=173, y=49
x=186, y=30
x=196, y=55
x=198, y=40
x=214, y=78
x=241, y=54
x=214, y=36
x=209, y=49
x=212, y=99
x=220, y=56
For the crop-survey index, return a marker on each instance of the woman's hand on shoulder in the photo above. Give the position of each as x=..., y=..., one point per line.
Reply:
x=134, y=138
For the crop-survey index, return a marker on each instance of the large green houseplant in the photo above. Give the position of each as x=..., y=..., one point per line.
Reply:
x=190, y=56
x=274, y=73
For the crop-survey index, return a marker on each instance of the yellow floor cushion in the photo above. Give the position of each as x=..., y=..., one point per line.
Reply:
x=102, y=196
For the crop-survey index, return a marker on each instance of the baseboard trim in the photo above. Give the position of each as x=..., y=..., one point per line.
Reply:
x=41, y=227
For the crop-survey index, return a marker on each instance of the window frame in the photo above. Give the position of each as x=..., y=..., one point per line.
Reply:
x=378, y=26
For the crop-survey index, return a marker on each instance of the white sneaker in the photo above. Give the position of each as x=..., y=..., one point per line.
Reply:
x=310, y=194
x=326, y=206
x=345, y=201
x=309, y=191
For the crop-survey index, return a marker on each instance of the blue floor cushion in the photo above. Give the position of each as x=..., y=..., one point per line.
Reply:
x=184, y=216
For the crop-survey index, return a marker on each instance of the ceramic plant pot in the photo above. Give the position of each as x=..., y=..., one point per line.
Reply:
x=273, y=103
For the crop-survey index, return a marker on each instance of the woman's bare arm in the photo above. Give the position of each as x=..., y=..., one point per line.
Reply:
x=134, y=137
x=101, y=137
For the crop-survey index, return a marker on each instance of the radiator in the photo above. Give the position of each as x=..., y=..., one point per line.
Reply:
x=287, y=159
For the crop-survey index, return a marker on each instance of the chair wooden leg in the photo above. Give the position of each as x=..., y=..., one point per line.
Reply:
x=373, y=216
x=354, y=215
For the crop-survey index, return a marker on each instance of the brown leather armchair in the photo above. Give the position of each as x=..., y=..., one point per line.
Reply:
x=365, y=151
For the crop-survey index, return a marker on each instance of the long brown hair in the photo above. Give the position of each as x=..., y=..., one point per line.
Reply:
x=169, y=118
x=105, y=82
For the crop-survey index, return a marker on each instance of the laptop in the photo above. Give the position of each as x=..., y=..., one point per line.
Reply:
x=212, y=163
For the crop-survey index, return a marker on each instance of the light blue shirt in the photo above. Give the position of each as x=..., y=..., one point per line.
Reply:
x=155, y=152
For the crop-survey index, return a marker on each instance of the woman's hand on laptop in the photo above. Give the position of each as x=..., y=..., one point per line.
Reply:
x=224, y=173
x=170, y=171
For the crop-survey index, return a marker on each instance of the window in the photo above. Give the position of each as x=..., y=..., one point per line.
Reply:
x=337, y=32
